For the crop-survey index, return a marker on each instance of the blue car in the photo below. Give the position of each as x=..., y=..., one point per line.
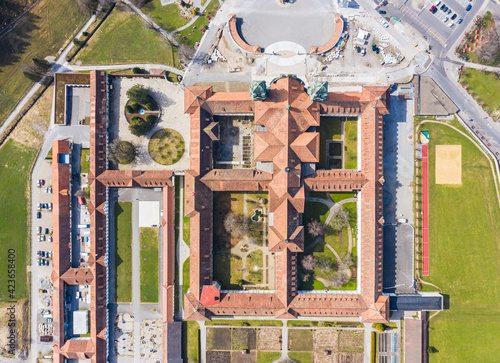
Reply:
x=468, y=7
x=460, y=20
x=38, y=215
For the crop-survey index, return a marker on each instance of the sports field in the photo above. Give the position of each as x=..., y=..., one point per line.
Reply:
x=464, y=234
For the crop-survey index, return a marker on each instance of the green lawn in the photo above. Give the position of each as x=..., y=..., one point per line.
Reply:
x=123, y=254
x=167, y=17
x=339, y=196
x=267, y=357
x=314, y=211
x=484, y=86
x=190, y=341
x=126, y=38
x=40, y=33
x=351, y=144
x=464, y=256
x=228, y=271
x=149, y=264
x=15, y=160
x=84, y=164
x=254, y=259
x=194, y=35
x=185, y=276
x=228, y=322
x=301, y=357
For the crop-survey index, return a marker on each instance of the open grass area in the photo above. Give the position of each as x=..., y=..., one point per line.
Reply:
x=351, y=144
x=123, y=253
x=61, y=80
x=126, y=38
x=230, y=322
x=484, y=86
x=149, y=265
x=314, y=211
x=464, y=255
x=228, y=271
x=190, y=341
x=339, y=196
x=267, y=357
x=254, y=259
x=15, y=160
x=191, y=35
x=40, y=33
x=300, y=357
x=186, y=229
x=166, y=146
x=185, y=276
x=167, y=17
x=84, y=163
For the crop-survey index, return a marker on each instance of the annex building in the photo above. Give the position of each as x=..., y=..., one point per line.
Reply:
x=280, y=157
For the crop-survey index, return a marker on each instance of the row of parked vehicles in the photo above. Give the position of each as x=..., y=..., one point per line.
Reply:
x=434, y=9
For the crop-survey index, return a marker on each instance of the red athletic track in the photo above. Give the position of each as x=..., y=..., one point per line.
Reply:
x=425, y=212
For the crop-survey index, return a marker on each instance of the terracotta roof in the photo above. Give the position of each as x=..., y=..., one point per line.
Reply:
x=78, y=276
x=337, y=33
x=210, y=295
x=306, y=146
x=233, y=30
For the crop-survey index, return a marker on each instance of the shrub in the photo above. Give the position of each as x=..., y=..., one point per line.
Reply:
x=129, y=109
x=135, y=106
x=150, y=119
x=195, y=11
x=86, y=34
x=77, y=42
x=122, y=152
x=138, y=93
x=379, y=327
x=150, y=106
x=138, y=70
x=138, y=126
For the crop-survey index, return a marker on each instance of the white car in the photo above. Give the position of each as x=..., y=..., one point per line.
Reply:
x=384, y=23
x=438, y=2
x=445, y=20
x=39, y=206
x=451, y=24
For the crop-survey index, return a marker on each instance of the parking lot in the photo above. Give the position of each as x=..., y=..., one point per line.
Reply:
x=455, y=7
x=43, y=250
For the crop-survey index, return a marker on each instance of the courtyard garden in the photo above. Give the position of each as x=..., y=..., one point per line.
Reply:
x=241, y=257
x=464, y=235
x=149, y=238
x=141, y=110
x=233, y=344
x=338, y=143
x=329, y=259
x=311, y=345
x=166, y=146
x=123, y=252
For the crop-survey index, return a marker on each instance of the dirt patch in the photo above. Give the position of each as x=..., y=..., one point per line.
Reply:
x=218, y=357
x=219, y=338
x=269, y=339
x=351, y=341
x=300, y=340
x=239, y=357
x=448, y=164
x=326, y=339
x=350, y=358
x=35, y=123
x=22, y=335
x=243, y=339
x=320, y=357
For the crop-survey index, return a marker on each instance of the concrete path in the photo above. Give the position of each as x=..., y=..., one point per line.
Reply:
x=203, y=342
x=191, y=22
x=147, y=66
x=182, y=253
x=367, y=350
x=284, y=342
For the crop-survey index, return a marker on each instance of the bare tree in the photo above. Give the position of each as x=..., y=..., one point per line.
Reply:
x=308, y=262
x=326, y=265
x=229, y=222
x=339, y=219
x=233, y=225
x=315, y=228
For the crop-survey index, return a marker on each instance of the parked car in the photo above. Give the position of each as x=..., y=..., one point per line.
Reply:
x=51, y=239
x=40, y=182
x=442, y=7
x=382, y=12
x=50, y=190
x=39, y=229
x=50, y=206
x=445, y=20
x=437, y=2
x=46, y=231
x=460, y=21
x=46, y=205
x=43, y=291
x=38, y=262
x=451, y=24
x=454, y=16
x=402, y=220
x=449, y=11
x=432, y=9
x=468, y=7
x=39, y=206
x=38, y=215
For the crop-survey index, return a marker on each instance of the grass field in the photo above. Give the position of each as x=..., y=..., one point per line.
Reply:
x=167, y=17
x=484, y=86
x=149, y=265
x=190, y=341
x=267, y=357
x=244, y=322
x=464, y=256
x=194, y=35
x=15, y=161
x=40, y=33
x=185, y=276
x=123, y=254
x=351, y=144
x=126, y=38
x=300, y=357
x=84, y=164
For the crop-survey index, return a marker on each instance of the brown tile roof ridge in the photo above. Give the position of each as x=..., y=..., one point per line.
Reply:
x=306, y=146
x=236, y=174
x=193, y=310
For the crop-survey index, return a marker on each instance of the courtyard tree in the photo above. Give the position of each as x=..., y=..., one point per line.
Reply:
x=309, y=262
x=138, y=93
x=339, y=219
x=233, y=225
x=122, y=152
x=138, y=126
x=315, y=228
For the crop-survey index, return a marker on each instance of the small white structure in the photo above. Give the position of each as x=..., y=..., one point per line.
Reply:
x=149, y=214
x=362, y=37
x=80, y=322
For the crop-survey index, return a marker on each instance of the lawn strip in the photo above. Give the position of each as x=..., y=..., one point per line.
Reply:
x=148, y=240
x=123, y=253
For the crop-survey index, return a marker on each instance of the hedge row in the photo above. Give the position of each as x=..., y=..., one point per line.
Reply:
x=45, y=84
x=82, y=41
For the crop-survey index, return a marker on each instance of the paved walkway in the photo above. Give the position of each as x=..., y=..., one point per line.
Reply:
x=191, y=22
x=182, y=253
x=147, y=66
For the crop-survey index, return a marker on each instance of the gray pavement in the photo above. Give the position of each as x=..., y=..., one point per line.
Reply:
x=398, y=197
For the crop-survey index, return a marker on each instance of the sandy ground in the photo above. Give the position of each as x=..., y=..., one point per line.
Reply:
x=448, y=164
x=21, y=312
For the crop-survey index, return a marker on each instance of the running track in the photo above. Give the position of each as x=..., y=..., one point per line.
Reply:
x=425, y=211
